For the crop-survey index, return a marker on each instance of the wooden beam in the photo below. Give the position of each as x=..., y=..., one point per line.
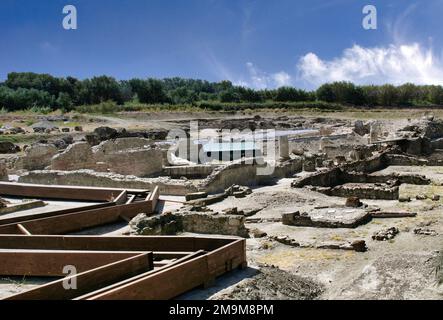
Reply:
x=131, y=199
x=187, y=275
x=114, y=243
x=61, y=192
x=78, y=221
x=51, y=263
x=23, y=230
x=27, y=205
x=103, y=291
x=199, y=270
x=153, y=197
x=19, y=219
x=122, y=198
x=89, y=280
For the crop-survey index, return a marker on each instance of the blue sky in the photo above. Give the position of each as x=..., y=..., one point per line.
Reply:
x=257, y=43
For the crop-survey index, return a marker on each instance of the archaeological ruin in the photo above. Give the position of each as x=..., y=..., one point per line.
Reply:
x=133, y=207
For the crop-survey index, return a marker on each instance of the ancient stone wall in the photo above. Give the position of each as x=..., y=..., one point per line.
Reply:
x=247, y=174
x=102, y=179
x=37, y=157
x=189, y=221
x=190, y=172
x=365, y=191
x=77, y=156
x=128, y=156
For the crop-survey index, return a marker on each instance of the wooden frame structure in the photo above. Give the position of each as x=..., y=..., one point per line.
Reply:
x=107, y=268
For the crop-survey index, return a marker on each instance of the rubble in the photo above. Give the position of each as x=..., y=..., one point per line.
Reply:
x=257, y=233
x=43, y=127
x=187, y=219
x=353, y=202
x=425, y=232
x=4, y=203
x=385, y=234
x=8, y=147
x=272, y=283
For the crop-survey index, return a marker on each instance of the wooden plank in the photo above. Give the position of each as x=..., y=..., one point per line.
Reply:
x=51, y=263
x=104, y=291
x=61, y=192
x=111, y=243
x=159, y=285
x=131, y=199
x=23, y=230
x=227, y=258
x=122, y=198
x=89, y=280
x=78, y=221
x=153, y=197
x=19, y=219
x=22, y=206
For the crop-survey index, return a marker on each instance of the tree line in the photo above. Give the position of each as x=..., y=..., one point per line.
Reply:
x=26, y=90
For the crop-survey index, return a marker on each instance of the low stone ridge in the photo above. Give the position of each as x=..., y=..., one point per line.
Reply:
x=425, y=232
x=92, y=178
x=365, y=191
x=328, y=218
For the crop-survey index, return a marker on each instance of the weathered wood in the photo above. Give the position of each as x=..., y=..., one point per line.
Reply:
x=166, y=281
x=4, y=221
x=122, y=198
x=130, y=199
x=78, y=221
x=22, y=206
x=61, y=192
x=89, y=280
x=187, y=275
x=112, y=243
x=153, y=197
x=51, y=263
x=200, y=270
x=226, y=258
x=104, y=291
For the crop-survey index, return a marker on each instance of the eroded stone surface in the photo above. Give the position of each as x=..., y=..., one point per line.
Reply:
x=328, y=218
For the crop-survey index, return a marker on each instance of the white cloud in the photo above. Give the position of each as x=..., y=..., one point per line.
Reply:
x=394, y=64
x=262, y=80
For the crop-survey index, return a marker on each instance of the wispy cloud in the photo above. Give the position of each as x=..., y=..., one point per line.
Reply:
x=394, y=64
x=261, y=80
x=399, y=28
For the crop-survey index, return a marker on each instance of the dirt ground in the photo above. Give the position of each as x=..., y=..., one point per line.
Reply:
x=405, y=267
